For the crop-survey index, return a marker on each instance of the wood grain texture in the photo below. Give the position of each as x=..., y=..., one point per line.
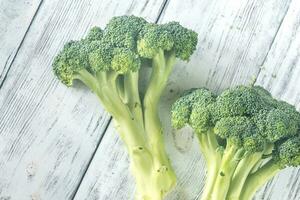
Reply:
x=280, y=74
x=48, y=133
x=15, y=20
x=234, y=40
x=108, y=175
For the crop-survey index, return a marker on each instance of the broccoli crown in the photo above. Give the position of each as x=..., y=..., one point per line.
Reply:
x=121, y=46
x=248, y=117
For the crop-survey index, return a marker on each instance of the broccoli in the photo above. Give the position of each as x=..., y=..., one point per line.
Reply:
x=245, y=136
x=108, y=62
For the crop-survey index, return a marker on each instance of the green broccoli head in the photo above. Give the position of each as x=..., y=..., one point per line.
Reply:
x=244, y=133
x=248, y=117
x=121, y=47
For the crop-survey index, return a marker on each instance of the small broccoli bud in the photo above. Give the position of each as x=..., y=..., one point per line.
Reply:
x=70, y=61
x=182, y=108
x=100, y=56
x=200, y=119
x=124, y=60
x=287, y=153
x=95, y=33
x=123, y=31
x=266, y=97
x=235, y=129
x=253, y=142
x=289, y=110
x=185, y=40
x=180, y=113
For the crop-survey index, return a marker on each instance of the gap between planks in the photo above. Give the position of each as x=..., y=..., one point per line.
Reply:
x=92, y=157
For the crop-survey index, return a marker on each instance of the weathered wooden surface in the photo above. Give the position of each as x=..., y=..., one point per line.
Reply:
x=234, y=41
x=48, y=133
x=15, y=18
x=51, y=140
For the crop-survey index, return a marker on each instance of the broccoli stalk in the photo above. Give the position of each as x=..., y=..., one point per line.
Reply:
x=108, y=62
x=245, y=136
x=212, y=156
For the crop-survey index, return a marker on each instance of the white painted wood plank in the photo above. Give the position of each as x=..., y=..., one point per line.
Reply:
x=15, y=18
x=109, y=173
x=48, y=133
x=281, y=75
x=234, y=39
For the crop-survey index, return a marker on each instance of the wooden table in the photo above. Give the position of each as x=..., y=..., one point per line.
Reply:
x=58, y=143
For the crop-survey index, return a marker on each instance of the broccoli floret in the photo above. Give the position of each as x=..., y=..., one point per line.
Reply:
x=153, y=38
x=108, y=62
x=245, y=135
x=183, y=108
x=94, y=34
x=125, y=61
x=185, y=40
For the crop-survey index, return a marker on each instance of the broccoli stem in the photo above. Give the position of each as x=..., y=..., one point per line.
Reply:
x=245, y=167
x=212, y=171
x=240, y=175
x=105, y=83
x=225, y=173
x=161, y=69
x=88, y=79
x=208, y=147
x=153, y=181
x=148, y=186
x=132, y=95
x=256, y=180
x=120, y=97
x=150, y=164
